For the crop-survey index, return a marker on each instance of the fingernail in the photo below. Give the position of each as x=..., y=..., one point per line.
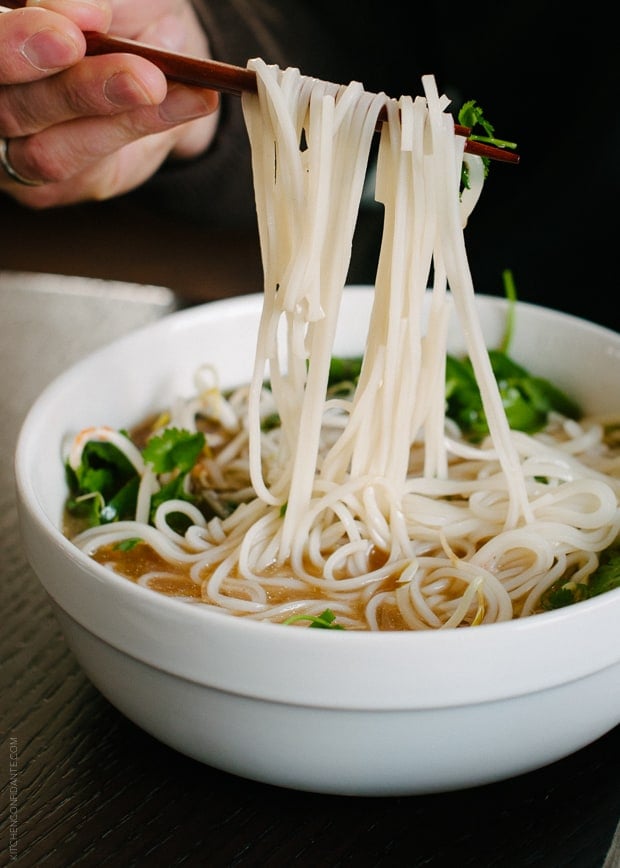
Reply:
x=182, y=104
x=49, y=49
x=122, y=90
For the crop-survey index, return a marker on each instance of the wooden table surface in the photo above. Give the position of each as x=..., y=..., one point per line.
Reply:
x=80, y=784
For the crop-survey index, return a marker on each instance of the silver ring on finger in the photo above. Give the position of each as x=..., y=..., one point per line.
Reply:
x=8, y=167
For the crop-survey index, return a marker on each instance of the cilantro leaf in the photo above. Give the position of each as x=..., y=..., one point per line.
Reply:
x=527, y=399
x=174, y=450
x=103, y=468
x=104, y=486
x=471, y=115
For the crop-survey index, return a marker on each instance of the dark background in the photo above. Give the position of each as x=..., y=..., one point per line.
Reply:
x=546, y=75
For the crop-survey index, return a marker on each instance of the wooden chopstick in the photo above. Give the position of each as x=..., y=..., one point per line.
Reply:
x=223, y=77
x=212, y=74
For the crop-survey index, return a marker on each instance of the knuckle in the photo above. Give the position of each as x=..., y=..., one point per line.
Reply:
x=37, y=161
x=11, y=123
x=19, y=112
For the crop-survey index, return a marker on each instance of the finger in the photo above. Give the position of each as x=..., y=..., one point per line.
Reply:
x=178, y=30
x=113, y=175
x=37, y=43
x=173, y=26
x=133, y=19
x=61, y=152
x=105, y=85
x=87, y=14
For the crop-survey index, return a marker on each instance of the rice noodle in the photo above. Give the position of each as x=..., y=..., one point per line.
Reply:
x=338, y=510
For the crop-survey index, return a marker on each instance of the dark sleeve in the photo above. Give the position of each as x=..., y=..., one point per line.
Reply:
x=216, y=188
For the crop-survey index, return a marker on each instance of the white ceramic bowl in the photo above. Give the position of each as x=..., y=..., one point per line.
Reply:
x=320, y=710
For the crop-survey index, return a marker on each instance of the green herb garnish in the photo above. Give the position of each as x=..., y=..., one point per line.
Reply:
x=605, y=578
x=344, y=370
x=471, y=115
x=126, y=545
x=527, y=399
x=174, y=450
x=325, y=621
x=104, y=488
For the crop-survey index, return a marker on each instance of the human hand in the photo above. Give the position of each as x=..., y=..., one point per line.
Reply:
x=86, y=128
